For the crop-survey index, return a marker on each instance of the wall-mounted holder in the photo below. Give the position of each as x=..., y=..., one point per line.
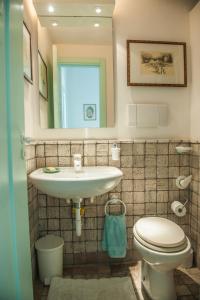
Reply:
x=179, y=208
x=115, y=152
x=182, y=149
x=182, y=182
x=115, y=201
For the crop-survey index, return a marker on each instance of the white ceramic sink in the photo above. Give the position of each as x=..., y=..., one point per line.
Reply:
x=92, y=181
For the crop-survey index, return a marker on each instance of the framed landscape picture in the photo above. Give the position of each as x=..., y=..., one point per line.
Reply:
x=153, y=63
x=89, y=111
x=27, y=55
x=43, y=82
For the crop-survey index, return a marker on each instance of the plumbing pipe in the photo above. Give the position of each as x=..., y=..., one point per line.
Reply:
x=78, y=219
x=78, y=215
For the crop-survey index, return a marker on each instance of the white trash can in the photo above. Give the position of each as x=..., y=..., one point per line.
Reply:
x=50, y=257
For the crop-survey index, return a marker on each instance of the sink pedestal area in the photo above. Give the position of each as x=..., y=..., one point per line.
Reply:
x=68, y=184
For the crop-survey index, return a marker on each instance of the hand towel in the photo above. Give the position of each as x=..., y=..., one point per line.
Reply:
x=115, y=236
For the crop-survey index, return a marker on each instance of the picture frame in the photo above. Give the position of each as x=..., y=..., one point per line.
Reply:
x=27, y=54
x=43, y=80
x=156, y=63
x=89, y=112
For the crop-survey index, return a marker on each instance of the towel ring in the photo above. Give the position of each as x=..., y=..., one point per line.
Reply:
x=114, y=201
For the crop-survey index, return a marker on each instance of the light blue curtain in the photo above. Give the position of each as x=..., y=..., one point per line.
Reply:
x=15, y=259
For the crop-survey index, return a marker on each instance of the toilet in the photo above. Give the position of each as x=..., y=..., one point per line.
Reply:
x=163, y=246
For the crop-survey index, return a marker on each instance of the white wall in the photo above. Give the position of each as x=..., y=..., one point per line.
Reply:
x=31, y=94
x=195, y=62
x=166, y=20
x=151, y=20
x=45, y=48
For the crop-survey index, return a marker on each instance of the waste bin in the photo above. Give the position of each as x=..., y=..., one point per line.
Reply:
x=50, y=257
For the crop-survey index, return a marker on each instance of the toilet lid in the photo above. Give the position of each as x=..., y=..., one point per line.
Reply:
x=160, y=232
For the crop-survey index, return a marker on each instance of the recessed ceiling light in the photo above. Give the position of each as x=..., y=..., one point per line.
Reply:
x=96, y=25
x=98, y=10
x=51, y=8
x=54, y=24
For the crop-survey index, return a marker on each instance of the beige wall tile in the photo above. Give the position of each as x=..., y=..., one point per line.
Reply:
x=138, y=185
x=76, y=149
x=102, y=160
x=138, y=173
x=126, y=149
x=162, y=196
x=162, y=160
x=162, y=149
x=150, y=184
x=127, y=185
x=138, y=161
x=63, y=150
x=138, y=197
x=40, y=162
x=150, y=208
x=138, y=149
x=51, y=150
x=150, y=149
x=127, y=197
x=102, y=149
x=89, y=149
x=162, y=172
x=52, y=161
x=138, y=209
x=150, y=172
x=150, y=196
x=126, y=161
x=150, y=161
x=89, y=161
x=127, y=173
x=64, y=161
x=39, y=151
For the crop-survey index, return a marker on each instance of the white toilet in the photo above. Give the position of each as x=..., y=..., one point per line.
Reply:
x=163, y=246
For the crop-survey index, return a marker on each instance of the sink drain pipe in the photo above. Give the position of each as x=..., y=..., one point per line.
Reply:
x=77, y=203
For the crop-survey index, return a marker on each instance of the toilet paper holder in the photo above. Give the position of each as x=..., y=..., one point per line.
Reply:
x=179, y=208
x=184, y=204
x=182, y=182
x=186, y=201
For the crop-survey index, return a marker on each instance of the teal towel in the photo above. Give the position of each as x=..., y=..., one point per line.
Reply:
x=115, y=236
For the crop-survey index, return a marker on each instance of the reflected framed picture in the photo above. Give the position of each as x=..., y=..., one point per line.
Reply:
x=89, y=111
x=43, y=81
x=156, y=63
x=27, y=54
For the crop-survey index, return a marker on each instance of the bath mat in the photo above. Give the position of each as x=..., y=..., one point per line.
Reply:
x=91, y=289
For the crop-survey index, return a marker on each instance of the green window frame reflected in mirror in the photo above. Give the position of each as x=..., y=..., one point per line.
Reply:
x=100, y=66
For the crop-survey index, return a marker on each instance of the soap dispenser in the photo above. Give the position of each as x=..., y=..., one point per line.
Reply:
x=77, y=163
x=115, y=152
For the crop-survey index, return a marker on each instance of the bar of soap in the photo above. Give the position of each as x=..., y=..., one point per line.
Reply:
x=51, y=170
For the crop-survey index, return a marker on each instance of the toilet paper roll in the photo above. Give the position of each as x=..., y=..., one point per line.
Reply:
x=178, y=208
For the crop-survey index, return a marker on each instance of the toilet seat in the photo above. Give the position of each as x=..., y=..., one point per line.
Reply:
x=160, y=234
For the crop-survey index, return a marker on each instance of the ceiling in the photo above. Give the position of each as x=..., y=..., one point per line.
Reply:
x=75, y=20
x=74, y=7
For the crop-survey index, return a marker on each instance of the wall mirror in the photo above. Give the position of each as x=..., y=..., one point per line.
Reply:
x=75, y=63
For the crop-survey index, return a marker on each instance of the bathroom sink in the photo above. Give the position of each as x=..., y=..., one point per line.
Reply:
x=67, y=183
